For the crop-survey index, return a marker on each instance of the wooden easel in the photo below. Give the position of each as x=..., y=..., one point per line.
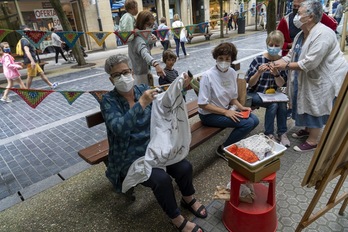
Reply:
x=329, y=161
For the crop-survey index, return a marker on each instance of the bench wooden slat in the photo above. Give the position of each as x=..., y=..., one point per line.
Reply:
x=201, y=133
x=95, y=153
x=94, y=119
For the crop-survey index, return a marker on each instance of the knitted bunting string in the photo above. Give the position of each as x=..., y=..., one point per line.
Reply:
x=162, y=33
x=3, y=33
x=145, y=34
x=71, y=96
x=124, y=35
x=202, y=26
x=69, y=37
x=34, y=37
x=191, y=28
x=33, y=97
x=176, y=31
x=98, y=94
x=99, y=37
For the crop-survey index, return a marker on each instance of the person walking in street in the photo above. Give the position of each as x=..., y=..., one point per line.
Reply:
x=127, y=111
x=339, y=12
x=317, y=69
x=127, y=21
x=178, y=42
x=57, y=44
x=217, y=98
x=165, y=41
x=30, y=60
x=10, y=69
x=261, y=77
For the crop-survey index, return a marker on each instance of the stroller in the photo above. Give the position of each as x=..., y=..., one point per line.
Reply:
x=69, y=54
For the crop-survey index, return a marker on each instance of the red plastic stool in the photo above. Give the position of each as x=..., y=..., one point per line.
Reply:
x=258, y=216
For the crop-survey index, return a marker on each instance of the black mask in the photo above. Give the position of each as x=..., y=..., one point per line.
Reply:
x=294, y=11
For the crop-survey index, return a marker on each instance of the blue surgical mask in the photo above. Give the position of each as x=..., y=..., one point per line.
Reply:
x=7, y=50
x=273, y=51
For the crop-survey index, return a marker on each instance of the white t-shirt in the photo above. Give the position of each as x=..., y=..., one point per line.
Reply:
x=217, y=88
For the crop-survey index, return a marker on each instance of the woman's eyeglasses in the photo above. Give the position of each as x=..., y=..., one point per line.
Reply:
x=117, y=75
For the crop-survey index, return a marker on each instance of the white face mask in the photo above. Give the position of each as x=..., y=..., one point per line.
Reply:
x=222, y=65
x=124, y=83
x=297, y=21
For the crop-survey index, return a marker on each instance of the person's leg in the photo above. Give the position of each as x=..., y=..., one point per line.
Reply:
x=30, y=75
x=183, y=48
x=9, y=85
x=57, y=53
x=62, y=53
x=177, y=46
x=241, y=128
x=313, y=137
x=165, y=45
x=161, y=184
x=270, y=114
x=21, y=83
x=281, y=118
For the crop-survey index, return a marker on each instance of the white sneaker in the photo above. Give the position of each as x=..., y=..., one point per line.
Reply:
x=54, y=85
x=58, y=64
x=284, y=140
x=8, y=100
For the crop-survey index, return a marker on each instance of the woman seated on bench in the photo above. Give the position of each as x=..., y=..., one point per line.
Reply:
x=217, y=98
x=127, y=113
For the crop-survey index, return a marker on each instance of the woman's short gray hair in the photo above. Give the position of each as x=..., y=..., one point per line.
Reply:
x=115, y=60
x=314, y=8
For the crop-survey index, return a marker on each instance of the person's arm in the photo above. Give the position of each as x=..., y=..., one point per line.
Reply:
x=25, y=45
x=145, y=54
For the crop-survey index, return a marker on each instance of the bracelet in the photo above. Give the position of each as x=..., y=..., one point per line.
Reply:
x=276, y=76
x=155, y=64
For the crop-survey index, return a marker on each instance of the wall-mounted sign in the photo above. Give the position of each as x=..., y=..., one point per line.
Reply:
x=44, y=13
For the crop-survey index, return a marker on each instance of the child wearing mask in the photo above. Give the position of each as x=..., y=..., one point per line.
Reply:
x=263, y=77
x=10, y=70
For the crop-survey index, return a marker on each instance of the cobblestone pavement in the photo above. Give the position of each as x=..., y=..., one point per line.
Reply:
x=38, y=150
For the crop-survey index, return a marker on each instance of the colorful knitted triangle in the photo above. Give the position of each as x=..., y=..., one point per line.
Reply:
x=145, y=34
x=33, y=97
x=191, y=28
x=162, y=33
x=3, y=33
x=99, y=37
x=124, y=35
x=71, y=96
x=202, y=27
x=69, y=37
x=176, y=31
x=34, y=37
x=98, y=94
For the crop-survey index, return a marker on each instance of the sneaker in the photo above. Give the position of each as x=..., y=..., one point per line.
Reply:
x=187, y=54
x=58, y=64
x=272, y=137
x=54, y=85
x=305, y=147
x=220, y=152
x=284, y=140
x=8, y=100
x=288, y=114
x=300, y=134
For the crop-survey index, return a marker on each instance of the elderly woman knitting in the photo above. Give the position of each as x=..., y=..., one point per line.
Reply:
x=317, y=69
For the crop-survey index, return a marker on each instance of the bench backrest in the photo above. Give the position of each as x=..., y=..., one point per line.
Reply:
x=97, y=118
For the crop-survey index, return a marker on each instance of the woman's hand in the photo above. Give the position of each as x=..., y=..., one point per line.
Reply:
x=187, y=80
x=147, y=97
x=279, y=64
x=234, y=115
x=274, y=71
x=159, y=71
x=243, y=108
x=263, y=68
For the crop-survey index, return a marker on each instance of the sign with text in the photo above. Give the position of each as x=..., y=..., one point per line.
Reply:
x=44, y=13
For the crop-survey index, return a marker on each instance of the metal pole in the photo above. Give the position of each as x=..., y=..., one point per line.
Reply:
x=19, y=13
x=99, y=22
x=221, y=21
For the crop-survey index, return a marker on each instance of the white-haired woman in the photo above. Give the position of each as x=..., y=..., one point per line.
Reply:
x=317, y=69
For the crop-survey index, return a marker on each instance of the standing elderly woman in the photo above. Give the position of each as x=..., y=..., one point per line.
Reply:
x=217, y=98
x=178, y=23
x=139, y=50
x=262, y=78
x=127, y=113
x=317, y=69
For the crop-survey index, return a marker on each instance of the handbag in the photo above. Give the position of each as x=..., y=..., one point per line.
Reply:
x=183, y=36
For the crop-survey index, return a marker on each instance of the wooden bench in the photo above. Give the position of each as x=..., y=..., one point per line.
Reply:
x=206, y=34
x=98, y=152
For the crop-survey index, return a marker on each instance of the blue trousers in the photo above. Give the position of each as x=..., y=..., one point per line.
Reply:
x=177, y=46
x=160, y=182
x=273, y=110
x=241, y=128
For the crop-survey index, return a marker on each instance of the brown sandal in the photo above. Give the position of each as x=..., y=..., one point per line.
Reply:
x=183, y=224
x=197, y=213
